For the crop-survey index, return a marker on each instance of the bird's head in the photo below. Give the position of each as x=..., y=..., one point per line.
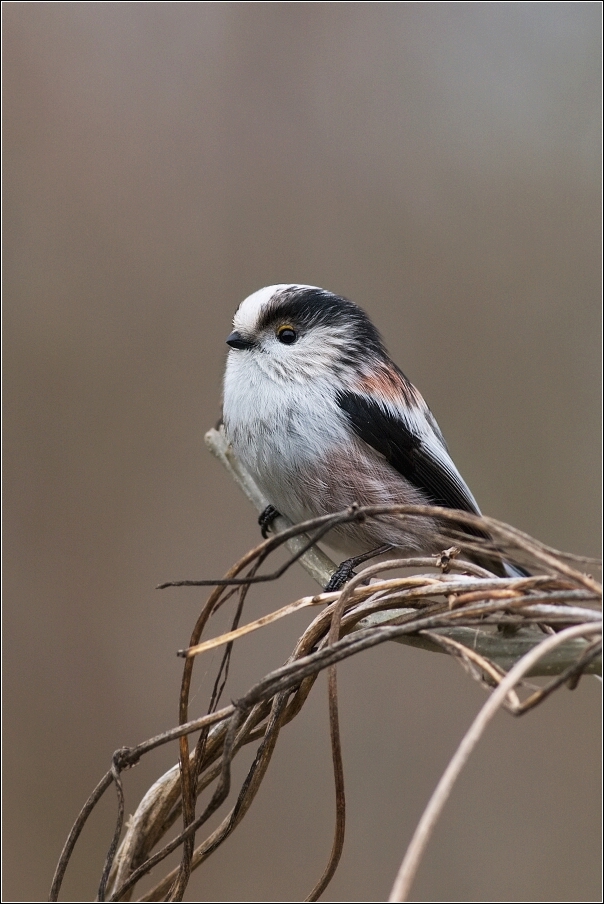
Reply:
x=296, y=332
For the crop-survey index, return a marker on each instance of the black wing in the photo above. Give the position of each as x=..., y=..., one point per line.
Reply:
x=408, y=453
x=428, y=467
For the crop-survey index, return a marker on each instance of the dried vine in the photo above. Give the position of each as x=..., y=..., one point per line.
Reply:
x=502, y=629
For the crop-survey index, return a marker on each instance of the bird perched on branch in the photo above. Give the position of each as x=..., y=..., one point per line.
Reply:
x=322, y=418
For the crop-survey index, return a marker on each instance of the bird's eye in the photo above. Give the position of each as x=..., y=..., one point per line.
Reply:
x=286, y=334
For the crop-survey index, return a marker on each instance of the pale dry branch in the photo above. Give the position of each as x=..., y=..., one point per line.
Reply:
x=402, y=886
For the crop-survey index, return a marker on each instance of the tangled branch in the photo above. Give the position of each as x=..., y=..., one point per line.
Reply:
x=501, y=629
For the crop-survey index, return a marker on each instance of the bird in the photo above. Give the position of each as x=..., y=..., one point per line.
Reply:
x=322, y=418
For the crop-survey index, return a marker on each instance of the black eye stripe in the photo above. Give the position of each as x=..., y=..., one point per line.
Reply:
x=308, y=308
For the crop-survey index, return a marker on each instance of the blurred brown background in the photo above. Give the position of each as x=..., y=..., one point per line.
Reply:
x=439, y=164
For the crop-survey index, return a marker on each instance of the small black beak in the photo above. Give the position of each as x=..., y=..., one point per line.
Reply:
x=236, y=340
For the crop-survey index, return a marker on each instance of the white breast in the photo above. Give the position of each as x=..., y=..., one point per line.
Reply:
x=280, y=430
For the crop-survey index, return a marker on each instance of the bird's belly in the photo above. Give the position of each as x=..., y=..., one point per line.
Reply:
x=309, y=486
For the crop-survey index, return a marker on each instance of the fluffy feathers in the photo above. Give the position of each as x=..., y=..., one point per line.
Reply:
x=322, y=417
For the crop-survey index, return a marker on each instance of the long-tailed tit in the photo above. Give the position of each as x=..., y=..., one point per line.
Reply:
x=322, y=417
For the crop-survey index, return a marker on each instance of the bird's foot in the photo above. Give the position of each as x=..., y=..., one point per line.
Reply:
x=266, y=519
x=345, y=571
x=341, y=576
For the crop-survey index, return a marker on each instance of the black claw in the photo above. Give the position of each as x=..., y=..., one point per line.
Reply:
x=266, y=519
x=345, y=571
x=341, y=576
